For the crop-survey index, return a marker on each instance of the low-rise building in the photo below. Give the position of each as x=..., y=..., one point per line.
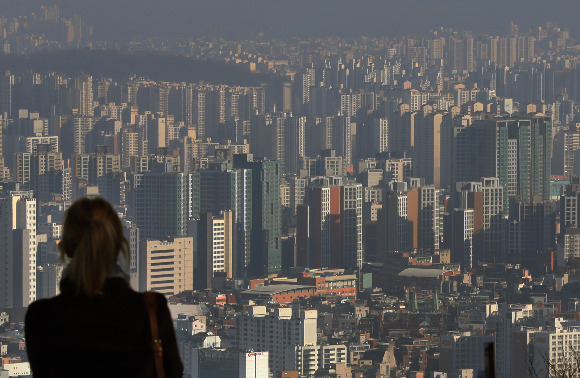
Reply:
x=308, y=359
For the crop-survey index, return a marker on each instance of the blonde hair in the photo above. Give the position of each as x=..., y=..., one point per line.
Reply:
x=92, y=239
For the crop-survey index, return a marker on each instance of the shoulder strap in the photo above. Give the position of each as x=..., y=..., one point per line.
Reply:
x=151, y=305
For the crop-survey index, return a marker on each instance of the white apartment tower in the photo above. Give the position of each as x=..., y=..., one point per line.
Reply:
x=307, y=359
x=17, y=249
x=275, y=332
x=353, y=245
x=380, y=135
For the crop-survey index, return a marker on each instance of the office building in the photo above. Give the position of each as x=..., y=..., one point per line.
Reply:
x=166, y=266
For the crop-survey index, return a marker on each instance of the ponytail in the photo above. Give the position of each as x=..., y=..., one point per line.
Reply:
x=93, y=238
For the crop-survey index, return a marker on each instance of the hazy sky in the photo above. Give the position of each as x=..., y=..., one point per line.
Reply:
x=287, y=18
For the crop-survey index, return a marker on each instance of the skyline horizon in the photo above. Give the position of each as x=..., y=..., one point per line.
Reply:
x=182, y=19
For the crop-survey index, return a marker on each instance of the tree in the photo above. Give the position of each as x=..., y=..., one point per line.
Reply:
x=573, y=263
x=563, y=367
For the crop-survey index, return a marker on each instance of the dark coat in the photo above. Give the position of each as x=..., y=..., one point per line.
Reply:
x=109, y=335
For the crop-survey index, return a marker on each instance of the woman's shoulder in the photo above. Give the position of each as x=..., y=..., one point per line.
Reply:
x=44, y=304
x=41, y=309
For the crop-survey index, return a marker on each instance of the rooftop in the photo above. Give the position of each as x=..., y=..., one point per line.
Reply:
x=422, y=272
x=276, y=289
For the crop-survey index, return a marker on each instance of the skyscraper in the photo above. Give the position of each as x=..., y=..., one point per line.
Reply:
x=393, y=222
x=515, y=150
x=82, y=95
x=159, y=204
x=424, y=216
x=433, y=141
x=266, y=248
x=485, y=198
x=18, y=249
x=221, y=188
x=215, y=239
x=462, y=230
x=294, y=143
x=320, y=228
x=353, y=246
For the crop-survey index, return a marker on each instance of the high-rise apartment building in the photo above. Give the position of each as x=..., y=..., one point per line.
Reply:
x=18, y=249
x=461, y=229
x=220, y=188
x=424, y=216
x=101, y=164
x=308, y=359
x=275, y=332
x=516, y=151
x=198, y=119
x=319, y=231
x=379, y=136
x=215, y=247
x=266, y=248
x=570, y=151
x=156, y=133
x=82, y=95
x=464, y=350
x=353, y=245
x=294, y=142
x=159, y=204
x=393, y=228
x=531, y=228
x=328, y=163
x=485, y=198
x=131, y=232
x=342, y=138
x=433, y=141
x=81, y=143
x=329, y=226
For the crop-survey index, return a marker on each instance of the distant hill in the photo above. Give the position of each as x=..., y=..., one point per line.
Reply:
x=241, y=19
x=121, y=65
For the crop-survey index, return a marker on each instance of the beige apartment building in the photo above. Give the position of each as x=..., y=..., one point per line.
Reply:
x=166, y=266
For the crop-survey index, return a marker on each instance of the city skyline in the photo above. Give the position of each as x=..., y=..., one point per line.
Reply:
x=375, y=201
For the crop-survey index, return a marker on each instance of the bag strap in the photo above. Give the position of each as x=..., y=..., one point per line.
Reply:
x=151, y=305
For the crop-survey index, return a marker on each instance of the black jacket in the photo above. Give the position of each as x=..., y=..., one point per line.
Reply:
x=109, y=335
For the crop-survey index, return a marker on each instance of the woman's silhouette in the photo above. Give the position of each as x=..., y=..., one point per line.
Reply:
x=98, y=326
